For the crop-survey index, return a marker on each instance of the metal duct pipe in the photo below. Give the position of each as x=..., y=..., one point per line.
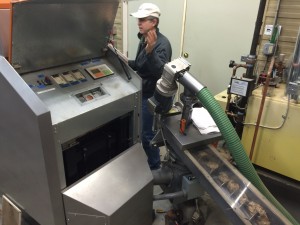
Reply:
x=162, y=176
x=169, y=196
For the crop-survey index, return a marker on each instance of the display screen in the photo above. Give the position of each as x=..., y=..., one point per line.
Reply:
x=58, y=79
x=69, y=77
x=99, y=71
x=78, y=75
x=94, y=71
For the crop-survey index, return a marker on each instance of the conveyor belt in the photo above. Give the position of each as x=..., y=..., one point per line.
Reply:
x=243, y=198
x=239, y=199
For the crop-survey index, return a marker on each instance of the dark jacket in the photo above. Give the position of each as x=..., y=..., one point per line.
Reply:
x=150, y=66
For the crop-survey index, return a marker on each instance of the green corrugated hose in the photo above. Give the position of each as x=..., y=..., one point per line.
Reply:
x=237, y=150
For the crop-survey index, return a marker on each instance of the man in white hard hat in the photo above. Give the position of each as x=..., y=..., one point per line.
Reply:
x=154, y=51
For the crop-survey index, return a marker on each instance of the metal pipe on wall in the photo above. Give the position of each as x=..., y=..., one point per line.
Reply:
x=249, y=73
x=259, y=21
x=265, y=89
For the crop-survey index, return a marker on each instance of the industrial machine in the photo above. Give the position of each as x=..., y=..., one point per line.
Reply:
x=243, y=202
x=70, y=149
x=264, y=111
x=279, y=119
x=270, y=116
x=263, y=105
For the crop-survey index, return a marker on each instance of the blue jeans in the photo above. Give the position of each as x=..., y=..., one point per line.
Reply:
x=147, y=135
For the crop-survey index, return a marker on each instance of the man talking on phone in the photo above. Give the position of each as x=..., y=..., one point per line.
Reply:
x=154, y=51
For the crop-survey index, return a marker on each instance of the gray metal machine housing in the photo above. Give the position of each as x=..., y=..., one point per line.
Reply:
x=42, y=119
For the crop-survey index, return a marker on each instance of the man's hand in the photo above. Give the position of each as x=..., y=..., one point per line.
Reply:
x=151, y=40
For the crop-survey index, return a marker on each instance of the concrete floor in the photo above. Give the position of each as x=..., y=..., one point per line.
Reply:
x=162, y=206
x=287, y=192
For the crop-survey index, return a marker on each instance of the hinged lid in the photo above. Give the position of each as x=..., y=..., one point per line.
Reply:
x=49, y=33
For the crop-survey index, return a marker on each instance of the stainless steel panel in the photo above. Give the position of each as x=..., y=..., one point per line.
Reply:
x=69, y=129
x=63, y=103
x=29, y=174
x=51, y=33
x=4, y=31
x=71, y=118
x=52, y=37
x=119, y=193
x=193, y=138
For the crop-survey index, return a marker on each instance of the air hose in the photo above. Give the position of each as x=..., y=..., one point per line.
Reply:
x=237, y=150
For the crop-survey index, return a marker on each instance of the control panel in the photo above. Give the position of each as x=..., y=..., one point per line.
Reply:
x=68, y=76
x=74, y=89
